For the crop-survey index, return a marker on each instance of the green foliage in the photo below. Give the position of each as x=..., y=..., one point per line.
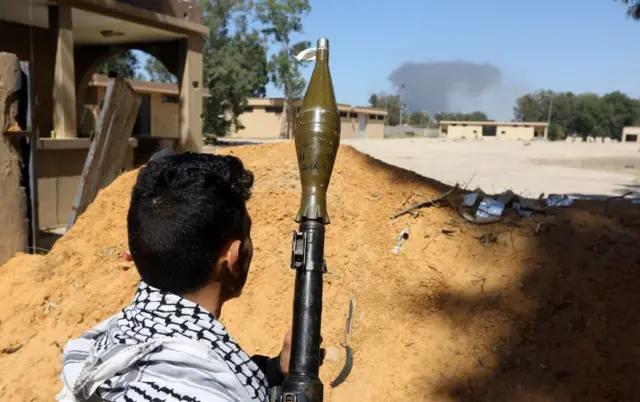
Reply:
x=123, y=63
x=234, y=64
x=584, y=114
x=419, y=119
x=556, y=132
x=473, y=116
x=280, y=19
x=391, y=103
x=158, y=72
x=633, y=8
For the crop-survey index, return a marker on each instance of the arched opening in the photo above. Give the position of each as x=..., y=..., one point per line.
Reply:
x=156, y=84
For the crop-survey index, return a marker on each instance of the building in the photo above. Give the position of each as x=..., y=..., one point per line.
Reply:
x=631, y=134
x=159, y=112
x=64, y=42
x=473, y=130
x=261, y=120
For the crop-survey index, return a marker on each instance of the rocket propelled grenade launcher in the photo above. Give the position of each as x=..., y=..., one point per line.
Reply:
x=317, y=138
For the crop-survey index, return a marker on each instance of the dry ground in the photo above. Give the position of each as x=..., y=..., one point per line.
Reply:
x=581, y=169
x=544, y=311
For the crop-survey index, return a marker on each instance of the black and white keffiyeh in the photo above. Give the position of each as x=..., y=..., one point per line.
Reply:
x=158, y=314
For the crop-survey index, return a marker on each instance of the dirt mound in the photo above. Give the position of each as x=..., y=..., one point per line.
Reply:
x=540, y=309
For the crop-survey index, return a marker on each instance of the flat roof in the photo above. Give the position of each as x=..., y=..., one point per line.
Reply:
x=343, y=107
x=99, y=80
x=493, y=123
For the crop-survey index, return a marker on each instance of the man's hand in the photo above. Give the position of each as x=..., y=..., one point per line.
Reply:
x=285, y=354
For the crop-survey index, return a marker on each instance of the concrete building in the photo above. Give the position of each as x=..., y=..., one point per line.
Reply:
x=261, y=120
x=631, y=134
x=159, y=112
x=495, y=130
x=64, y=42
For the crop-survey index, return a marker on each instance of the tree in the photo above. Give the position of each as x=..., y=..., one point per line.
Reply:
x=125, y=64
x=281, y=18
x=373, y=100
x=234, y=65
x=633, y=8
x=583, y=114
x=474, y=116
x=419, y=119
x=158, y=72
x=391, y=103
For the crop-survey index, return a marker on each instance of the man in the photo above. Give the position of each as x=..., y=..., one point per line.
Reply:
x=190, y=238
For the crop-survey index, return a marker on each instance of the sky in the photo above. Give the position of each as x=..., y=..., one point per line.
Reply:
x=466, y=55
x=577, y=45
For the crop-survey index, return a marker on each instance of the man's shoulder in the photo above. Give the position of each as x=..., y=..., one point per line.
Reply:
x=179, y=369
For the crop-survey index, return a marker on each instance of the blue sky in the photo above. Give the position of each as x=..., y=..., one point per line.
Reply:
x=586, y=45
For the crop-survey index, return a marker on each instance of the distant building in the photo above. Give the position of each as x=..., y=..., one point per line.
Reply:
x=631, y=134
x=473, y=130
x=261, y=119
x=159, y=113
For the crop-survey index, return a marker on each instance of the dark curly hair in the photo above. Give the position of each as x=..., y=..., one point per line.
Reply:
x=184, y=209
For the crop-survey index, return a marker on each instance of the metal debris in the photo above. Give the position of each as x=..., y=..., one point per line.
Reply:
x=470, y=199
x=559, y=200
x=489, y=211
x=525, y=213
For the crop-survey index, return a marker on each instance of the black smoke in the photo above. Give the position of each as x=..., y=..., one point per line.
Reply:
x=455, y=86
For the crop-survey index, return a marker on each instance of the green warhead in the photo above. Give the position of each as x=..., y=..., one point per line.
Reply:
x=317, y=138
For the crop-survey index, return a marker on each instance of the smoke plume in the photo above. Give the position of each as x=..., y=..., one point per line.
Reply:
x=456, y=86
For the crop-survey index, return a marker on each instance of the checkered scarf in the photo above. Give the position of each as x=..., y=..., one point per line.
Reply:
x=155, y=313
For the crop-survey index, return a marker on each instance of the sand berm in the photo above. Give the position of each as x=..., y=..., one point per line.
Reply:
x=537, y=309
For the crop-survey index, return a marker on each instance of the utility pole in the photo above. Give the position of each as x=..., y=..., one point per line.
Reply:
x=546, y=131
x=386, y=118
x=400, y=96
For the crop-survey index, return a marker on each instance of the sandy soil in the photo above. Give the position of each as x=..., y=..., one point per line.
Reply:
x=544, y=311
x=581, y=169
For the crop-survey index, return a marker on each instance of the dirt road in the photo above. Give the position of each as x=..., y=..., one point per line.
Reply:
x=580, y=169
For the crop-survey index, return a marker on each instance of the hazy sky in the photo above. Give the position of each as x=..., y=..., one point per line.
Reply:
x=463, y=55
x=478, y=54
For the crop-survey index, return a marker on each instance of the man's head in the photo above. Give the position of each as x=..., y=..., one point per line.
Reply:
x=188, y=224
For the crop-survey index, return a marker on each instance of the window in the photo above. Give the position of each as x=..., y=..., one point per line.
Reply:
x=343, y=114
x=503, y=132
x=353, y=115
x=248, y=109
x=475, y=131
x=372, y=117
x=631, y=138
x=170, y=99
x=271, y=109
x=380, y=117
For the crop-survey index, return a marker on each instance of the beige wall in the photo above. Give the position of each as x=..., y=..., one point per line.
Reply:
x=59, y=173
x=630, y=131
x=375, y=129
x=514, y=132
x=464, y=132
x=165, y=117
x=262, y=124
x=259, y=124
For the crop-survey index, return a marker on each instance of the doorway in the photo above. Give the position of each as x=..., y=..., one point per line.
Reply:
x=142, y=126
x=362, y=126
